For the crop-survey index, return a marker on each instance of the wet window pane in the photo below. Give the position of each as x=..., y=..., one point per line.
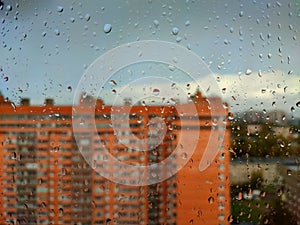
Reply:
x=149, y=112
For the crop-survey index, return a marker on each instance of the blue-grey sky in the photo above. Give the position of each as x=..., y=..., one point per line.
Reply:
x=47, y=45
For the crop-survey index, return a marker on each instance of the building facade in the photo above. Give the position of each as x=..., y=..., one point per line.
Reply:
x=47, y=176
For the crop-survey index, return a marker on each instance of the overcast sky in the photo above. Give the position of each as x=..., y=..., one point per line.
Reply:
x=252, y=47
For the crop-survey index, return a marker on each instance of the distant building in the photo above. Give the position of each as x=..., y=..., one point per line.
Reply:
x=44, y=178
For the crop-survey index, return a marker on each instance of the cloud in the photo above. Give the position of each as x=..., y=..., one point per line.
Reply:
x=258, y=91
x=261, y=90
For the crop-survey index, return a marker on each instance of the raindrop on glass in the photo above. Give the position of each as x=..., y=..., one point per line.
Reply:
x=280, y=143
x=248, y=71
x=156, y=23
x=14, y=106
x=107, y=28
x=156, y=91
x=69, y=88
x=60, y=9
x=87, y=17
x=8, y=7
x=184, y=155
x=56, y=31
x=211, y=200
x=175, y=30
x=113, y=82
x=292, y=109
x=178, y=39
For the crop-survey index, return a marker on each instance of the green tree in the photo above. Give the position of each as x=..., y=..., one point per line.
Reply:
x=280, y=215
x=256, y=179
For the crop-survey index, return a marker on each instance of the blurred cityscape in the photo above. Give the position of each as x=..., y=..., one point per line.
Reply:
x=48, y=177
x=129, y=158
x=264, y=168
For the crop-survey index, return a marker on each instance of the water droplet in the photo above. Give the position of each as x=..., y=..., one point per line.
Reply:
x=298, y=104
x=187, y=23
x=188, y=86
x=156, y=91
x=14, y=156
x=56, y=31
x=289, y=172
x=273, y=104
x=269, y=56
x=108, y=221
x=226, y=42
x=60, y=9
x=184, y=155
x=171, y=67
x=87, y=17
x=13, y=105
x=156, y=23
x=175, y=30
x=259, y=73
x=248, y=71
x=114, y=91
x=223, y=90
x=280, y=143
x=211, y=200
x=292, y=109
x=8, y=7
x=72, y=19
x=178, y=39
x=5, y=78
x=230, y=116
x=107, y=28
x=113, y=82
x=241, y=14
x=69, y=88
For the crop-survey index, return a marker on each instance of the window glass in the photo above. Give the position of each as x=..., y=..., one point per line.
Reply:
x=149, y=112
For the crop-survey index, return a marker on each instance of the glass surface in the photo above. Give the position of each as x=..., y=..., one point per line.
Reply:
x=149, y=112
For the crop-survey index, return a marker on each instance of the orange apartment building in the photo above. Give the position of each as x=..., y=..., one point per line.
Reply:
x=44, y=178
